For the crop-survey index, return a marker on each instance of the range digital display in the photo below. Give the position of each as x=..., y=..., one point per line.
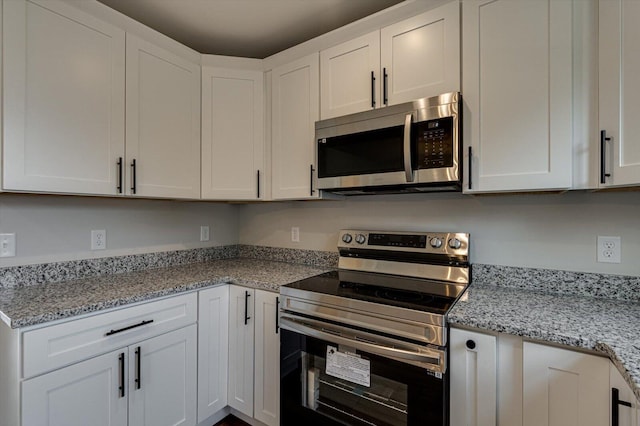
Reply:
x=396, y=240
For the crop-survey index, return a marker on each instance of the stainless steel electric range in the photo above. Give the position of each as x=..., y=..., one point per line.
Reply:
x=367, y=344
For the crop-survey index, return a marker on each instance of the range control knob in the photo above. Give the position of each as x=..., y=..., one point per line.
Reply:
x=347, y=238
x=436, y=242
x=454, y=243
x=360, y=239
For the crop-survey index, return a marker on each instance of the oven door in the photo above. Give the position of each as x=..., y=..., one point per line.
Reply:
x=327, y=380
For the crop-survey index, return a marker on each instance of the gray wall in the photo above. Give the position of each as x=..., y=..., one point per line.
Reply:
x=555, y=231
x=53, y=228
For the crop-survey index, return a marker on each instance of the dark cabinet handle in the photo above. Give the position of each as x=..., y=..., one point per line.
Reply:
x=138, y=368
x=603, y=156
x=470, y=344
x=616, y=402
x=277, y=316
x=311, y=170
x=258, y=186
x=119, y=187
x=120, y=330
x=470, y=166
x=385, y=77
x=133, y=176
x=246, y=307
x=373, y=90
x=121, y=362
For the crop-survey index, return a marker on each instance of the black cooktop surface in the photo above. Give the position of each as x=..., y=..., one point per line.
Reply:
x=410, y=293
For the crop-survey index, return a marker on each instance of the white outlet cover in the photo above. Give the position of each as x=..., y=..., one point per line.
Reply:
x=204, y=233
x=7, y=245
x=98, y=239
x=295, y=234
x=609, y=249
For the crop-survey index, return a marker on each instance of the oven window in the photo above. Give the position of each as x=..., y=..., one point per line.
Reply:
x=383, y=403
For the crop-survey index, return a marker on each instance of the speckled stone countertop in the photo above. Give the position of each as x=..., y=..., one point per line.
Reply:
x=607, y=326
x=35, y=304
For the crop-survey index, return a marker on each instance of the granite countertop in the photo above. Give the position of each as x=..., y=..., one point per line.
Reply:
x=37, y=304
x=610, y=327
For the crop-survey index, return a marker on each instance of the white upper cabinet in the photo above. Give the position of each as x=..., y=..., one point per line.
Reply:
x=233, y=166
x=412, y=59
x=163, y=122
x=517, y=94
x=420, y=57
x=350, y=76
x=619, y=92
x=295, y=109
x=63, y=99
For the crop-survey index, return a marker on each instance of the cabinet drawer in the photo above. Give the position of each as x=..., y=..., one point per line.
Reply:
x=48, y=348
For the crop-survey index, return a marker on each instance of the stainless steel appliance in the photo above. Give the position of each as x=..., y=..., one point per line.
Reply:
x=410, y=147
x=367, y=344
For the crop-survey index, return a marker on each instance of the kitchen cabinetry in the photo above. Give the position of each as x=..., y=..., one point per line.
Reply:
x=295, y=109
x=473, y=378
x=627, y=415
x=241, y=347
x=619, y=92
x=517, y=85
x=564, y=387
x=64, y=106
x=146, y=377
x=213, y=346
x=414, y=58
x=233, y=165
x=267, y=359
x=163, y=122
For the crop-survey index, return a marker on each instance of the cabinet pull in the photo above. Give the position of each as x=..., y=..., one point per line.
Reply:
x=470, y=164
x=603, y=156
x=120, y=330
x=138, y=369
x=246, y=307
x=133, y=176
x=119, y=187
x=385, y=77
x=258, y=186
x=470, y=344
x=121, y=364
x=373, y=90
x=616, y=402
x=277, y=316
x=311, y=170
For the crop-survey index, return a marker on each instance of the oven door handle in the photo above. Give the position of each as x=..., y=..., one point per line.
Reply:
x=431, y=360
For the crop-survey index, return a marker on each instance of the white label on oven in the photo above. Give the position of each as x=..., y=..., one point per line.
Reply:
x=348, y=367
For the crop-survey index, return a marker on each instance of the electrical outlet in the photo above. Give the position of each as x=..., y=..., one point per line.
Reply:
x=7, y=245
x=609, y=249
x=98, y=239
x=204, y=233
x=295, y=234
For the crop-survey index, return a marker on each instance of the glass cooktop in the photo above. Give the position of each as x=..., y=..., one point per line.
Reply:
x=416, y=294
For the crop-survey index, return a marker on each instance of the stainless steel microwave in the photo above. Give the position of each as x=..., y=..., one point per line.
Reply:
x=410, y=147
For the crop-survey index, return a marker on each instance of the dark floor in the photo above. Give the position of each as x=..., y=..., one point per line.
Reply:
x=231, y=421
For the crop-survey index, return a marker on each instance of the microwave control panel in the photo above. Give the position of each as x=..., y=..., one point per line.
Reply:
x=434, y=143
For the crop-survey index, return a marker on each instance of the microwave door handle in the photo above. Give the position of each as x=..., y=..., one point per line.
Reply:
x=408, y=171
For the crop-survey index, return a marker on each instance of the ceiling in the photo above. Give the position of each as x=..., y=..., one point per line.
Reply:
x=247, y=28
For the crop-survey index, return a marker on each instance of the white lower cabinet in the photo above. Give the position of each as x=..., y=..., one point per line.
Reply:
x=267, y=359
x=241, y=346
x=150, y=383
x=499, y=379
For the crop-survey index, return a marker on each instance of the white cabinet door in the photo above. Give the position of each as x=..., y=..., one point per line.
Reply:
x=63, y=84
x=564, y=388
x=213, y=347
x=627, y=416
x=163, y=122
x=517, y=94
x=267, y=359
x=473, y=378
x=162, y=379
x=87, y=393
x=241, y=346
x=295, y=109
x=420, y=56
x=350, y=76
x=620, y=90
x=232, y=134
